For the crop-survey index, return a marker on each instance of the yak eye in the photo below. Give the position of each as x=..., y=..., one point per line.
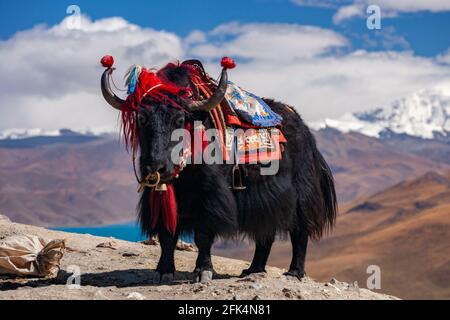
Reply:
x=141, y=118
x=179, y=122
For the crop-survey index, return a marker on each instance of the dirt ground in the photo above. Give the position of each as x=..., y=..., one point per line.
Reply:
x=124, y=270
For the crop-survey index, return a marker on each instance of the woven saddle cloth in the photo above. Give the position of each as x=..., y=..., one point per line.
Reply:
x=250, y=131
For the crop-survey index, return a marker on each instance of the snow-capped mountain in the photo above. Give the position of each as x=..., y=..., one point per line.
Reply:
x=20, y=134
x=31, y=138
x=424, y=114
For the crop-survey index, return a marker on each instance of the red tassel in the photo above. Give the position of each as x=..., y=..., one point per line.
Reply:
x=227, y=63
x=107, y=61
x=164, y=206
x=170, y=209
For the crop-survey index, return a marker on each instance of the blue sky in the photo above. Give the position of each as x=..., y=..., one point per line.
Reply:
x=318, y=56
x=427, y=33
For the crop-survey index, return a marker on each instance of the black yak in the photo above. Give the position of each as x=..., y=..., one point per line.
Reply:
x=299, y=200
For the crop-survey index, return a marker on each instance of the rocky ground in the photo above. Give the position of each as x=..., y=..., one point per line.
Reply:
x=115, y=269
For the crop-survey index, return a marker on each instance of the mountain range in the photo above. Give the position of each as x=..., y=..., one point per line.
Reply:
x=424, y=114
x=77, y=179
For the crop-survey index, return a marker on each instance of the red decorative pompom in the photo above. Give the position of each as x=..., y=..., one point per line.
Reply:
x=107, y=61
x=227, y=63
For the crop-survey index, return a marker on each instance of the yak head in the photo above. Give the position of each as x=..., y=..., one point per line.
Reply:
x=156, y=119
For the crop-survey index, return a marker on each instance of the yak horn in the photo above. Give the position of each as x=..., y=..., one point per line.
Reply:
x=215, y=99
x=108, y=94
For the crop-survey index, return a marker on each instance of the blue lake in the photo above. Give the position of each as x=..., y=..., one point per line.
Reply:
x=129, y=231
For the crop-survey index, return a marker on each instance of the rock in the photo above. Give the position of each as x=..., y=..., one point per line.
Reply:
x=135, y=296
x=130, y=254
x=183, y=246
x=353, y=286
x=256, y=286
x=99, y=295
x=216, y=293
x=108, y=244
x=287, y=292
x=198, y=289
x=153, y=241
x=326, y=292
x=4, y=219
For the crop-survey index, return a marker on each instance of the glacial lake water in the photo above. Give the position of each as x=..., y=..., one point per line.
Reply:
x=127, y=231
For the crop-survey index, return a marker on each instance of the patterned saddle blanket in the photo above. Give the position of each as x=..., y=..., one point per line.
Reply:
x=251, y=108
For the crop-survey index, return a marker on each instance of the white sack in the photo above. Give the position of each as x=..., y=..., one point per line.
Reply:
x=30, y=256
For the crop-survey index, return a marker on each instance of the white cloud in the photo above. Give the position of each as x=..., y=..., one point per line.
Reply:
x=195, y=37
x=445, y=58
x=281, y=42
x=413, y=5
x=51, y=75
x=347, y=12
x=51, y=78
x=389, y=8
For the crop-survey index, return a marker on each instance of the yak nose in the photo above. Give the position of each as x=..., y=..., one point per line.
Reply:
x=157, y=167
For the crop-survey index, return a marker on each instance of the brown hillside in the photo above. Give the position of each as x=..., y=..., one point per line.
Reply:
x=404, y=230
x=66, y=184
x=363, y=166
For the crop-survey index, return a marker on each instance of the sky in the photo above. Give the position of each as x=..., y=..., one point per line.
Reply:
x=318, y=56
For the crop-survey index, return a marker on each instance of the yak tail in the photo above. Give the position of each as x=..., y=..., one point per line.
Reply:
x=317, y=203
x=328, y=194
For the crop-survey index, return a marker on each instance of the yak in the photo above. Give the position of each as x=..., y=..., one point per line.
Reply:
x=299, y=200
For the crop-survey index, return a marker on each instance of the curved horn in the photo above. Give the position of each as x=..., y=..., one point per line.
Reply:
x=108, y=94
x=215, y=99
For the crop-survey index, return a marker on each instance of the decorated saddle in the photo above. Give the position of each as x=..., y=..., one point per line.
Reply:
x=250, y=129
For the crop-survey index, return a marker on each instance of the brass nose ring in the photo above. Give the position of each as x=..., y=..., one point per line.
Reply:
x=152, y=179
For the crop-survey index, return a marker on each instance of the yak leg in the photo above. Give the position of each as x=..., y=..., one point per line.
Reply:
x=166, y=266
x=299, y=240
x=203, y=267
x=259, y=261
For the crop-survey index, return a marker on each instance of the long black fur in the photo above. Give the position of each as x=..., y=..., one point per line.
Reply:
x=301, y=196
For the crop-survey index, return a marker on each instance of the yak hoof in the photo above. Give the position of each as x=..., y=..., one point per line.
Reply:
x=299, y=274
x=163, y=278
x=203, y=276
x=247, y=272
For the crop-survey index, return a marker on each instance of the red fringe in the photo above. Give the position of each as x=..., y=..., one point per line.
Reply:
x=164, y=205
